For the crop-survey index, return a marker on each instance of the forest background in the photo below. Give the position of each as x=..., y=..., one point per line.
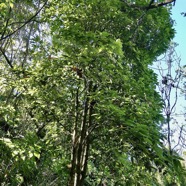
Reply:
x=79, y=103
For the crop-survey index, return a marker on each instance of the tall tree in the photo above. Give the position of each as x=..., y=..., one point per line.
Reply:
x=169, y=69
x=78, y=99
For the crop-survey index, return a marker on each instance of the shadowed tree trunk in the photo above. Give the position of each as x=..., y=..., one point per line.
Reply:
x=81, y=137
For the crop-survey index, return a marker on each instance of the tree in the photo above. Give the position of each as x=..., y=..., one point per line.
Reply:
x=83, y=94
x=170, y=86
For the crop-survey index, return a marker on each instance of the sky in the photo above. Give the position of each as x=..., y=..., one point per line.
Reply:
x=180, y=39
x=180, y=27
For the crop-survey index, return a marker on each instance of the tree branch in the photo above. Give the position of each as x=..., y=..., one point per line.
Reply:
x=5, y=56
x=6, y=23
x=25, y=23
x=153, y=5
x=166, y=2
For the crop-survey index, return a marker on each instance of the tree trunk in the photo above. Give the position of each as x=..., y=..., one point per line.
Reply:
x=80, y=141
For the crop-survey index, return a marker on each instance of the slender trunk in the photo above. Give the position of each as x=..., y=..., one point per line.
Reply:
x=80, y=140
x=168, y=115
x=86, y=152
x=82, y=143
x=75, y=139
x=169, y=134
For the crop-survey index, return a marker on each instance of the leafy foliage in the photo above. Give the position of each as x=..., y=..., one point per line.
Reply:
x=78, y=101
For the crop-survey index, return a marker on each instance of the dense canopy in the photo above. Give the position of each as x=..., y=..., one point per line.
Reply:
x=78, y=100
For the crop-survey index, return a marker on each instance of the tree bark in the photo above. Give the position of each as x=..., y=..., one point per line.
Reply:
x=81, y=139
